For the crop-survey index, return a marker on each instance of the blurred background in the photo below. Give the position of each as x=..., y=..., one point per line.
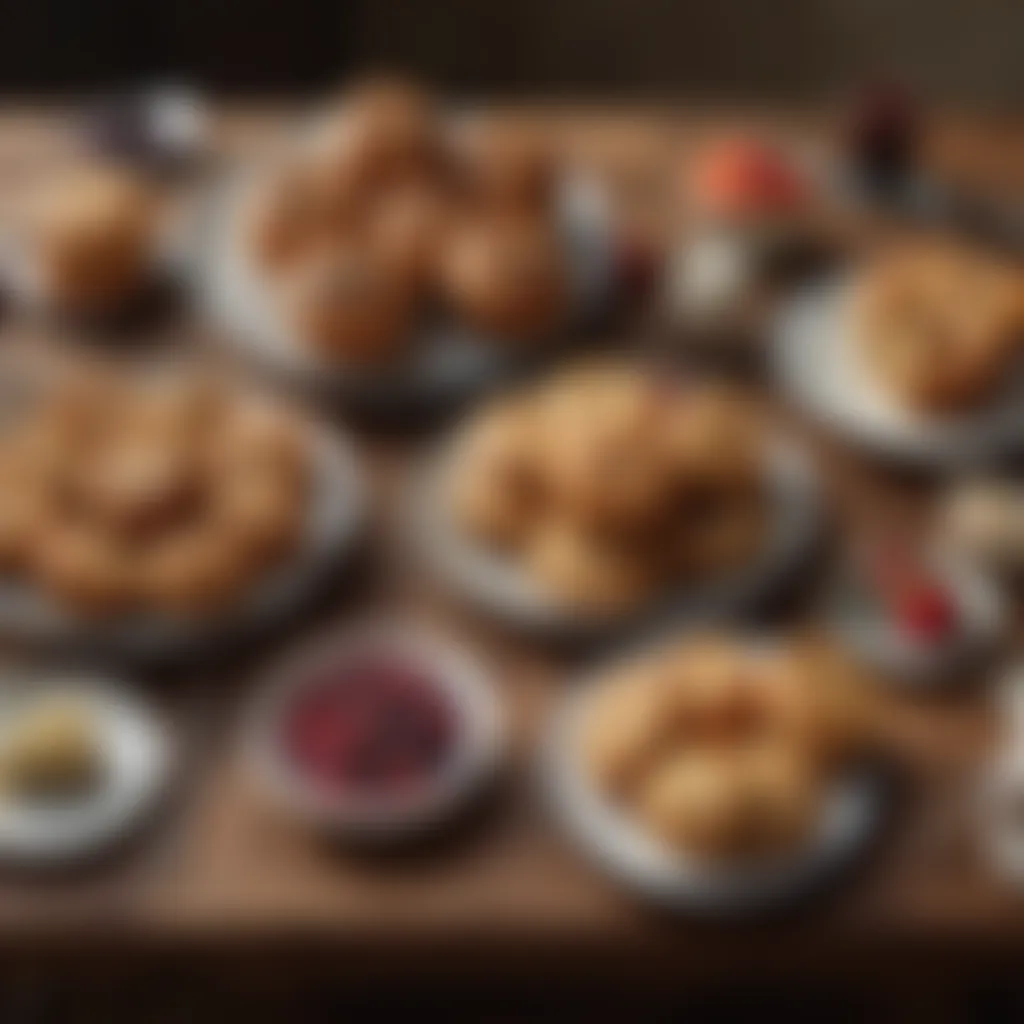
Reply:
x=786, y=50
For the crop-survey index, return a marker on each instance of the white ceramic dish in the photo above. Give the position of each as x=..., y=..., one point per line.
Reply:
x=139, y=759
x=818, y=365
x=628, y=854
x=336, y=512
x=446, y=363
x=501, y=587
x=477, y=756
x=877, y=642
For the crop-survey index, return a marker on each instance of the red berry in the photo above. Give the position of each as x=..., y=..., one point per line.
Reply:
x=927, y=612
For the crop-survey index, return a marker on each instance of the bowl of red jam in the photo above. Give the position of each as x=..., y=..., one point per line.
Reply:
x=378, y=731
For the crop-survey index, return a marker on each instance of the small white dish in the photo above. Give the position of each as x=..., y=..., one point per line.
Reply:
x=337, y=511
x=901, y=659
x=850, y=817
x=817, y=363
x=479, y=728
x=139, y=757
x=502, y=588
x=446, y=363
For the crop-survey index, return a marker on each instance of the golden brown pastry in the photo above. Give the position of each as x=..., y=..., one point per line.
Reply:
x=505, y=165
x=94, y=238
x=507, y=276
x=132, y=486
x=344, y=303
x=590, y=574
x=84, y=570
x=940, y=328
x=407, y=229
x=261, y=513
x=380, y=134
x=196, y=571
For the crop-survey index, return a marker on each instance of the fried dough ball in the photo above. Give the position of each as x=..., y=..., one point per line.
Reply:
x=95, y=234
x=24, y=524
x=287, y=214
x=407, y=229
x=712, y=692
x=498, y=487
x=343, y=302
x=505, y=165
x=196, y=571
x=507, y=276
x=84, y=570
x=586, y=573
x=177, y=409
x=255, y=435
x=625, y=730
x=713, y=438
x=261, y=514
x=381, y=133
x=133, y=486
x=693, y=802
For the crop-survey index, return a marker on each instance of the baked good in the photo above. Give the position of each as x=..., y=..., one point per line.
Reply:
x=343, y=302
x=505, y=165
x=94, y=237
x=506, y=276
x=940, y=327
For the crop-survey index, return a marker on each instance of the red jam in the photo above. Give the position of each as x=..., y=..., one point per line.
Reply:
x=374, y=725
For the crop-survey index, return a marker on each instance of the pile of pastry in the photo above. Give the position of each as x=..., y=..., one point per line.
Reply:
x=941, y=326
x=608, y=483
x=722, y=750
x=164, y=494
x=386, y=216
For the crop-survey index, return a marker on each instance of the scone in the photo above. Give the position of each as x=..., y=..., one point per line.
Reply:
x=344, y=303
x=94, y=240
x=507, y=277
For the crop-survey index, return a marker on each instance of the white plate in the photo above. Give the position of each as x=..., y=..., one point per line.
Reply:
x=818, y=364
x=446, y=363
x=139, y=757
x=500, y=586
x=874, y=639
x=627, y=853
x=335, y=515
x=480, y=731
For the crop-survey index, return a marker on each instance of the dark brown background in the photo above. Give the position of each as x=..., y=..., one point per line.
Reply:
x=961, y=51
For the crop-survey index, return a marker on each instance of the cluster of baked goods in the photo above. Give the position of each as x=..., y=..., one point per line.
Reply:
x=93, y=235
x=941, y=326
x=385, y=215
x=725, y=750
x=165, y=494
x=609, y=483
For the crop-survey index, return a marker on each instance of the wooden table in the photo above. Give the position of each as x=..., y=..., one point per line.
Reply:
x=223, y=873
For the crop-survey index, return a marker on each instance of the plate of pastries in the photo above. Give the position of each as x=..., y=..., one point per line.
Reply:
x=918, y=354
x=152, y=510
x=718, y=771
x=608, y=492
x=394, y=251
x=93, y=241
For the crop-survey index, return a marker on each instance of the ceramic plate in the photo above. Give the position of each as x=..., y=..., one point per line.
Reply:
x=849, y=818
x=818, y=365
